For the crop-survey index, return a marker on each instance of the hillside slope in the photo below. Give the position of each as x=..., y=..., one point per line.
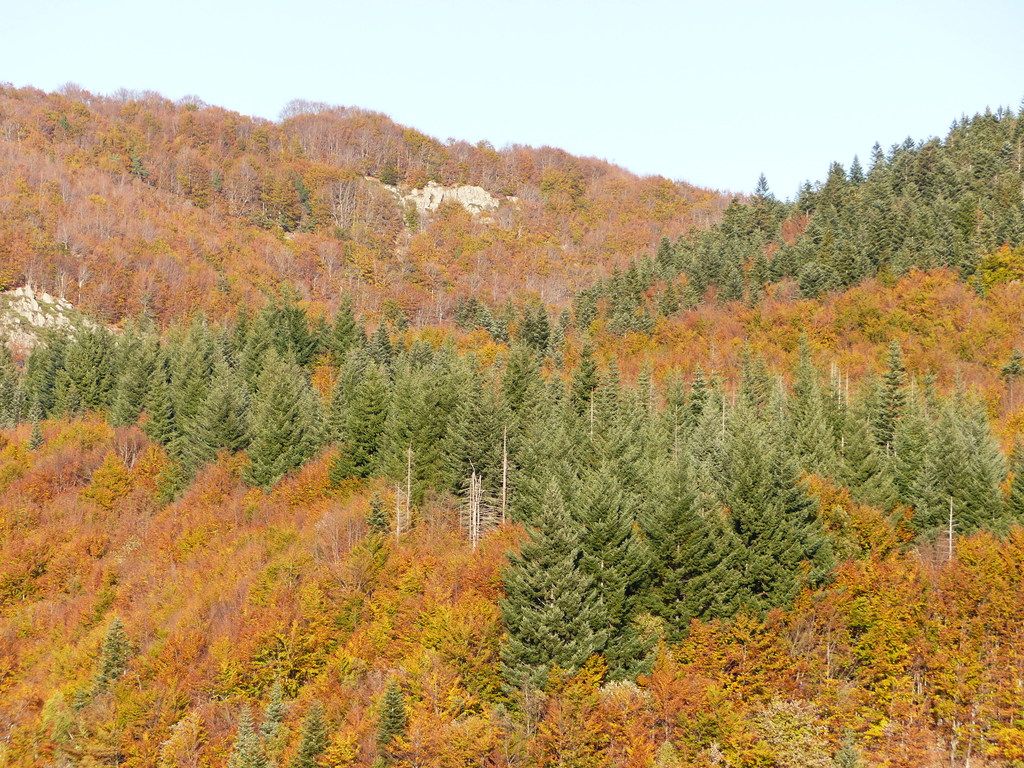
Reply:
x=132, y=203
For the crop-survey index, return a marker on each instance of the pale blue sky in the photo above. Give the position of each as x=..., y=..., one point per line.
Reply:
x=713, y=93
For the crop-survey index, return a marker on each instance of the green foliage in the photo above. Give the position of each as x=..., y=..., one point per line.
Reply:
x=393, y=719
x=553, y=611
x=313, y=740
x=286, y=420
x=114, y=654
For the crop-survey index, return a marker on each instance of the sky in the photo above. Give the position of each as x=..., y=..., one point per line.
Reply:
x=712, y=93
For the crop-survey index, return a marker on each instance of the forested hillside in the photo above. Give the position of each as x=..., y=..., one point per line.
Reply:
x=750, y=497
x=132, y=203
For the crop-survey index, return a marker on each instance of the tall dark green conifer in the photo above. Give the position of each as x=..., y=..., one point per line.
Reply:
x=553, y=611
x=287, y=424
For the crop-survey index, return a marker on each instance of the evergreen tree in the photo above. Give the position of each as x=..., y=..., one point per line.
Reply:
x=393, y=720
x=553, y=611
x=773, y=519
x=865, y=471
x=619, y=563
x=693, y=573
x=377, y=520
x=247, y=751
x=286, y=422
x=584, y=380
x=813, y=440
x=313, y=741
x=221, y=423
x=35, y=441
x=114, y=655
x=363, y=425
x=1015, y=500
x=273, y=717
x=345, y=333
x=162, y=424
x=891, y=398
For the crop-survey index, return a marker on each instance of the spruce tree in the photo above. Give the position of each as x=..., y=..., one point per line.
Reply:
x=273, y=717
x=286, y=422
x=161, y=423
x=865, y=470
x=313, y=740
x=553, y=612
x=1015, y=500
x=813, y=440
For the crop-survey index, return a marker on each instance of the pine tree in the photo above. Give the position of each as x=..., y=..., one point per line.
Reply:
x=313, y=741
x=286, y=422
x=553, y=612
x=393, y=720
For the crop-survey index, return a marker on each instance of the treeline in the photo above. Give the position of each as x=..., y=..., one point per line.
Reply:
x=940, y=203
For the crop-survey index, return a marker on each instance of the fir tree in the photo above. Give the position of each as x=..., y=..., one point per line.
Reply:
x=364, y=423
x=273, y=717
x=247, y=751
x=313, y=740
x=693, y=575
x=553, y=612
x=345, y=333
x=114, y=655
x=584, y=380
x=393, y=720
x=286, y=423
x=221, y=423
x=891, y=398
x=377, y=520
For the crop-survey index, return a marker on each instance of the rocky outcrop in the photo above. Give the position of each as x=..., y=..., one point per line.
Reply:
x=429, y=198
x=25, y=313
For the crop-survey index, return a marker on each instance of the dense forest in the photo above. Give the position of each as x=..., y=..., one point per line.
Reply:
x=751, y=498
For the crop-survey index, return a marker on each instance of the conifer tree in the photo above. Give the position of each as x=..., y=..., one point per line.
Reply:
x=1015, y=500
x=35, y=440
x=286, y=422
x=273, y=717
x=133, y=384
x=891, y=398
x=773, y=519
x=693, y=574
x=364, y=423
x=584, y=380
x=378, y=520
x=619, y=563
x=345, y=333
x=553, y=611
x=313, y=740
x=813, y=440
x=393, y=720
x=248, y=751
x=162, y=424
x=221, y=423
x=865, y=471
x=114, y=655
